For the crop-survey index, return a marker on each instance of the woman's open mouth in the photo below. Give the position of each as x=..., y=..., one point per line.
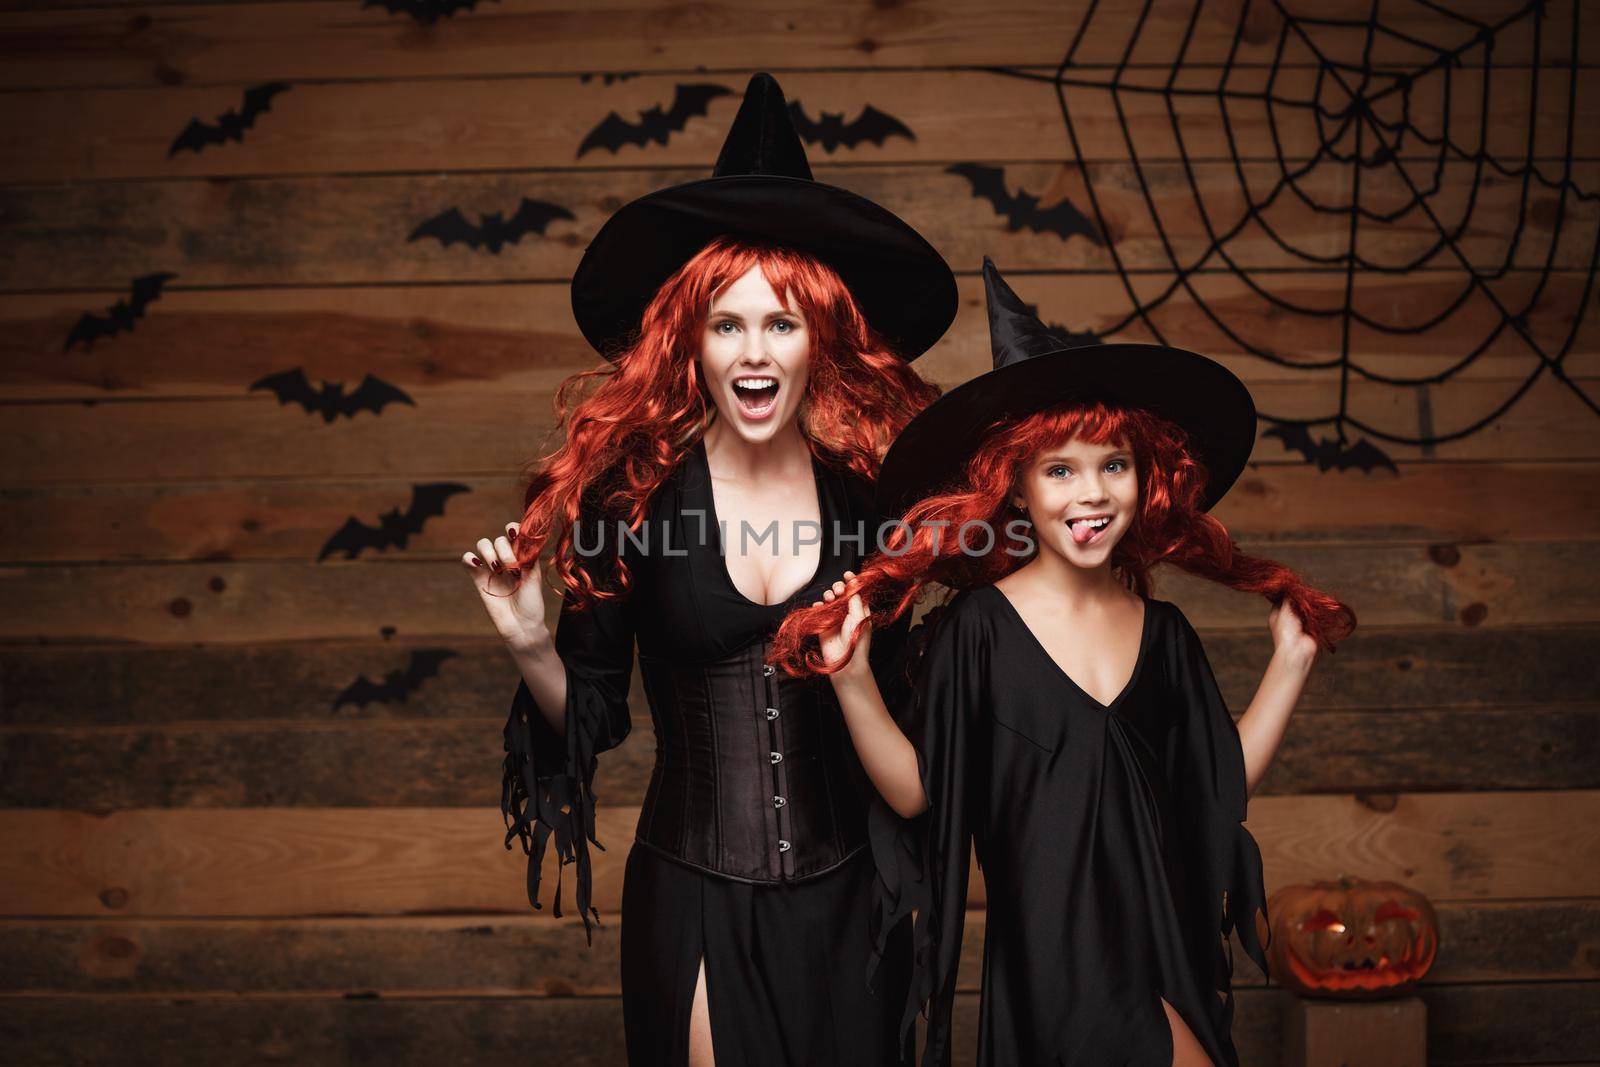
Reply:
x=757, y=396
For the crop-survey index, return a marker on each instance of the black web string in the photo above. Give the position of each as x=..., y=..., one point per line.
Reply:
x=1387, y=139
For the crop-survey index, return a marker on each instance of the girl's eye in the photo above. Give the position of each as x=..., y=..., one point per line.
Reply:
x=719, y=326
x=1117, y=463
x=785, y=323
x=1056, y=472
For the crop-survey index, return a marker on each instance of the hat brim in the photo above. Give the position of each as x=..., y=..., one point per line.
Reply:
x=902, y=285
x=1200, y=395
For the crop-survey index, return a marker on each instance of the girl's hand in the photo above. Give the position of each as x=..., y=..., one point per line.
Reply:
x=835, y=645
x=1289, y=638
x=515, y=606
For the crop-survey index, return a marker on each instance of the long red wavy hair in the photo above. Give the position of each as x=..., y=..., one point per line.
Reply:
x=625, y=426
x=1168, y=528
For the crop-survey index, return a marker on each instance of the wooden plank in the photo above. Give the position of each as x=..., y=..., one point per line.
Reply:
x=253, y=436
x=1271, y=504
x=515, y=122
x=1479, y=1024
x=63, y=686
x=343, y=230
x=1477, y=586
x=453, y=338
x=456, y=764
x=1438, y=751
x=192, y=42
x=343, y=861
x=534, y=955
x=1535, y=1023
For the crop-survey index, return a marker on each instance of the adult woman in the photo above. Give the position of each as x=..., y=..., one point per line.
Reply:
x=761, y=324
x=1064, y=721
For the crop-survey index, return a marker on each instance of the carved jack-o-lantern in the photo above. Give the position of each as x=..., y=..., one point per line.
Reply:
x=1351, y=938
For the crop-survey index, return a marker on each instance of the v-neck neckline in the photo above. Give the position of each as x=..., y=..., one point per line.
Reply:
x=1138, y=663
x=824, y=550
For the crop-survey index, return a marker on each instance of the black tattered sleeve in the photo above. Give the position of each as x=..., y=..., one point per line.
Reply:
x=547, y=779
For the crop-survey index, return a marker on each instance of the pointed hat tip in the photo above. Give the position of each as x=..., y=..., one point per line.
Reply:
x=1015, y=331
x=762, y=139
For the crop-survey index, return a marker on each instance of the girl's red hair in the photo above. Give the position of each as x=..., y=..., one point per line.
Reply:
x=1169, y=528
x=628, y=424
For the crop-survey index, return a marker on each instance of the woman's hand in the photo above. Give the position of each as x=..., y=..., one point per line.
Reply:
x=836, y=644
x=515, y=606
x=1289, y=638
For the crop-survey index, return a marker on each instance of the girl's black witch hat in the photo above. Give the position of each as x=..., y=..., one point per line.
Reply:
x=1036, y=368
x=762, y=190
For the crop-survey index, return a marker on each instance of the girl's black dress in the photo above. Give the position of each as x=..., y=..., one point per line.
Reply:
x=751, y=848
x=1109, y=836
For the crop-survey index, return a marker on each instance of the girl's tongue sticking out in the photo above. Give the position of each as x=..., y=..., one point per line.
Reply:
x=1085, y=531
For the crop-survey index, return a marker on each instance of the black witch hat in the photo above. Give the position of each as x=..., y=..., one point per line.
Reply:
x=762, y=190
x=1037, y=368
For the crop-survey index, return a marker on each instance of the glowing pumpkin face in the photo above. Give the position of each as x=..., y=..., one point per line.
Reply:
x=1351, y=938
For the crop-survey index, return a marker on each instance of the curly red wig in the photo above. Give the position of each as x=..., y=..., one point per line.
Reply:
x=627, y=425
x=1169, y=528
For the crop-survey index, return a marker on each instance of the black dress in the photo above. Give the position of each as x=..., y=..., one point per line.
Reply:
x=751, y=848
x=1110, y=839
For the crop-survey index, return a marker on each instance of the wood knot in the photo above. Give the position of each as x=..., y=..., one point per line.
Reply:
x=1474, y=613
x=1444, y=555
x=1382, y=803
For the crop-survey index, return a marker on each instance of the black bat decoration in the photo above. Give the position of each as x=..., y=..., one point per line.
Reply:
x=331, y=401
x=831, y=130
x=426, y=12
x=231, y=124
x=1063, y=220
x=119, y=316
x=422, y=664
x=394, y=526
x=493, y=230
x=1327, y=454
x=654, y=125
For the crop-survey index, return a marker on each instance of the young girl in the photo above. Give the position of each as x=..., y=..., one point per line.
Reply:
x=762, y=324
x=1062, y=719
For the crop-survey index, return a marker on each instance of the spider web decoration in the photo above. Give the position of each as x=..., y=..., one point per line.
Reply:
x=1381, y=137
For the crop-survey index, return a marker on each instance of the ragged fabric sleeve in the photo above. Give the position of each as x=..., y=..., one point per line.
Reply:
x=547, y=778
x=923, y=863
x=1206, y=767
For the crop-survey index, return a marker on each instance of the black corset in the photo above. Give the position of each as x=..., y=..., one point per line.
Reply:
x=755, y=777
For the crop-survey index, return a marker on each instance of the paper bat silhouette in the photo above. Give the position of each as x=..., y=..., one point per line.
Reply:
x=394, y=526
x=331, y=401
x=688, y=101
x=1063, y=220
x=426, y=12
x=493, y=230
x=1329, y=454
x=231, y=124
x=121, y=315
x=422, y=664
x=831, y=130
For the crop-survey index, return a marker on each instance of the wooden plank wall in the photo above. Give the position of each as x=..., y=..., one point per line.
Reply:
x=213, y=851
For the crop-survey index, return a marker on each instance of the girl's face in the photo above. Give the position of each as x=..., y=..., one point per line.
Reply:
x=1081, y=497
x=754, y=354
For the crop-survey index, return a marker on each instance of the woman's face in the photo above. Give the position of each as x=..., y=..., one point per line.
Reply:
x=754, y=355
x=1081, y=497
